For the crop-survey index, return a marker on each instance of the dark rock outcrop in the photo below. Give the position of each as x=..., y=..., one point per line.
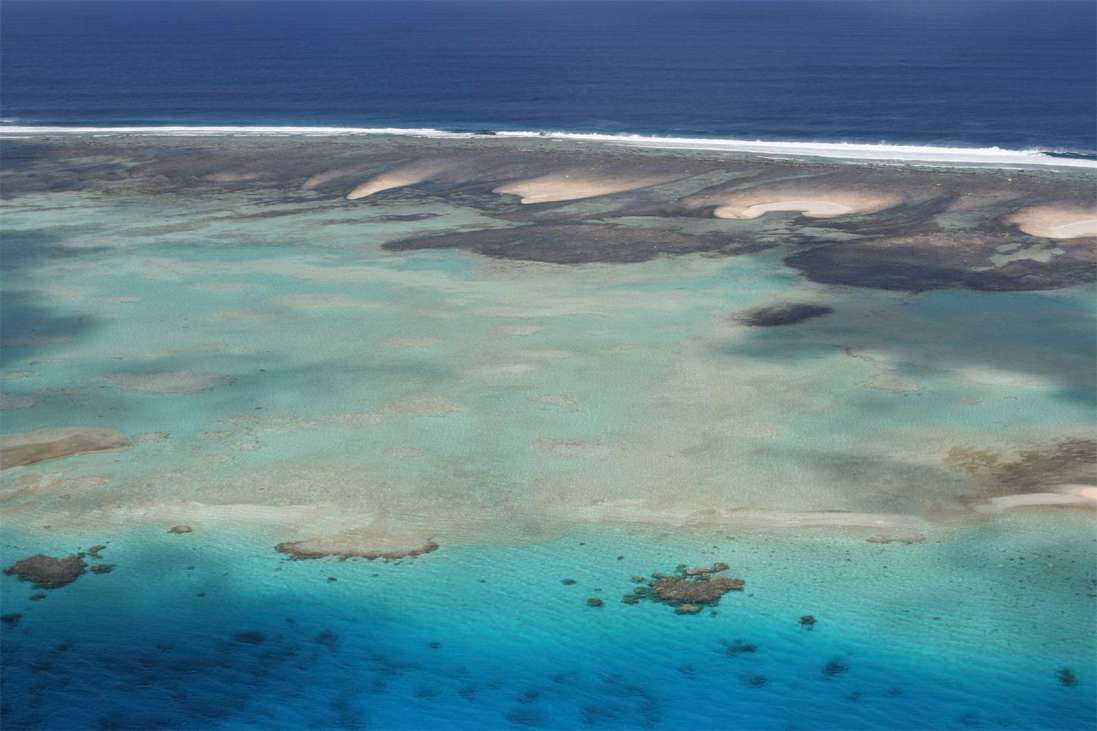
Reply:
x=46, y=572
x=785, y=313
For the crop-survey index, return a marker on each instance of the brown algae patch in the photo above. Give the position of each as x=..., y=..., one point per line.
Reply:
x=45, y=444
x=1062, y=473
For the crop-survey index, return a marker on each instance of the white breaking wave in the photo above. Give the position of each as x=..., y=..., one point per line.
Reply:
x=992, y=156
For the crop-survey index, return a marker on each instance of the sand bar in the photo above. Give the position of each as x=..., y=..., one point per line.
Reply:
x=1056, y=222
x=45, y=444
x=575, y=185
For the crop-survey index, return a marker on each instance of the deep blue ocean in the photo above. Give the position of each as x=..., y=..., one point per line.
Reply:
x=961, y=73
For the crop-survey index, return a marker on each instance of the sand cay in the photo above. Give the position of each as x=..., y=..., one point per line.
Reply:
x=807, y=202
x=1056, y=222
x=400, y=177
x=46, y=444
x=575, y=185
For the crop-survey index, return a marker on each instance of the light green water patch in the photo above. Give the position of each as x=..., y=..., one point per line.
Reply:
x=292, y=365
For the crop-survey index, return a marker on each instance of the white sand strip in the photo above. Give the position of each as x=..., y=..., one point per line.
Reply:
x=575, y=185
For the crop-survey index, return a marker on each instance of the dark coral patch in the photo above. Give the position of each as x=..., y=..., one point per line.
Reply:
x=579, y=243
x=249, y=637
x=943, y=260
x=46, y=572
x=784, y=313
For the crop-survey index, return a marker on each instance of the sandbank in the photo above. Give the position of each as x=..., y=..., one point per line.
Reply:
x=400, y=177
x=38, y=446
x=1056, y=222
x=575, y=185
x=810, y=203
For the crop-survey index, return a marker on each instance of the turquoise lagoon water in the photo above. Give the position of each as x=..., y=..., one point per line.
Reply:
x=281, y=375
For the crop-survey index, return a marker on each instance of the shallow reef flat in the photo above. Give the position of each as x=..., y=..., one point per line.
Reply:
x=387, y=411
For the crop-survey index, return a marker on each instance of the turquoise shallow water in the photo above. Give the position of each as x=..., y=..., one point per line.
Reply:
x=964, y=631
x=280, y=376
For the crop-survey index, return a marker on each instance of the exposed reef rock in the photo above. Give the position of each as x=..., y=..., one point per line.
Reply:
x=180, y=529
x=785, y=313
x=46, y=572
x=46, y=444
x=580, y=243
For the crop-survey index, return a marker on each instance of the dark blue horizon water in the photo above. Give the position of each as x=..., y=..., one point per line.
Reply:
x=977, y=73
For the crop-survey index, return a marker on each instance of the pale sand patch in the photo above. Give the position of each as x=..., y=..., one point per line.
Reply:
x=15, y=375
x=1056, y=222
x=319, y=516
x=230, y=176
x=558, y=400
x=569, y=448
x=9, y=402
x=328, y=176
x=424, y=406
x=575, y=185
x=891, y=382
x=884, y=526
x=151, y=437
x=374, y=541
x=400, y=177
x=411, y=341
x=1080, y=496
x=222, y=286
x=517, y=331
x=169, y=382
x=504, y=369
x=808, y=202
x=45, y=444
x=323, y=302
x=990, y=376
x=36, y=484
x=544, y=354
x=405, y=452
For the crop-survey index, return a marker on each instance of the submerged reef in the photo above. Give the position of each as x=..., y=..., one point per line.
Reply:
x=46, y=572
x=580, y=243
x=784, y=313
x=886, y=227
x=688, y=591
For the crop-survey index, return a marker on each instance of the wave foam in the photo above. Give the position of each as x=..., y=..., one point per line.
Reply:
x=993, y=156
